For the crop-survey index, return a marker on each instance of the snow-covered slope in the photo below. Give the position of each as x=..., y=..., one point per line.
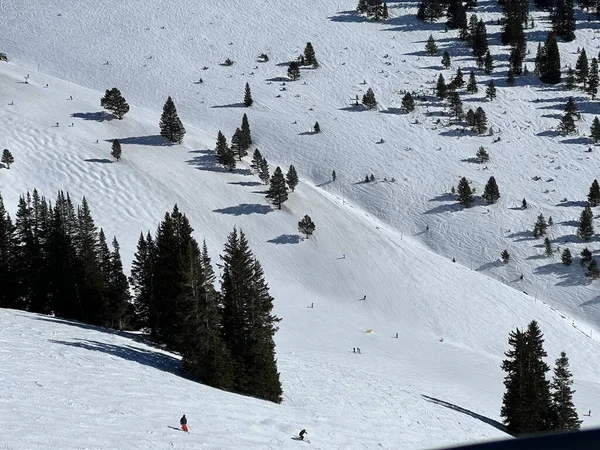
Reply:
x=410, y=392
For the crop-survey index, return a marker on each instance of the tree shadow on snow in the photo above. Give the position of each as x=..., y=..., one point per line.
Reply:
x=307, y=133
x=154, y=140
x=98, y=116
x=454, y=207
x=246, y=183
x=579, y=204
x=468, y=412
x=230, y=105
x=286, y=239
x=569, y=276
x=245, y=209
x=155, y=359
x=489, y=265
x=99, y=160
x=348, y=16
x=394, y=111
x=207, y=161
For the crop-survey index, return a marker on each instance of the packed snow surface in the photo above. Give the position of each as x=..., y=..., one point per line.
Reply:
x=68, y=386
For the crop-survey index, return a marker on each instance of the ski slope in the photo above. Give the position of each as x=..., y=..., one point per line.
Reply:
x=105, y=390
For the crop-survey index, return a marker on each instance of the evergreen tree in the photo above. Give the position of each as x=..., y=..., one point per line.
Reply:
x=524, y=204
x=563, y=19
x=550, y=64
x=564, y=413
x=309, y=56
x=237, y=144
x=479, y=42
x=408, y=102
x=482, y=155
x=277, y=192
x=586, y=224
x=593, y=271
x=592, y=81
x=333, y=175
x=7, y=158
x=446, y=60
x=316, y=128
x=246, y=141
x=582, y=68
x=490, y=91
x=117, y=289
x=526, y=404
x=293, y=70
x=8, y=270
x=586, y=256
x=457, y=15
x=171, y=127
x=456, y=105
x=481, y=122
x=368, y=99
x=116, y=150
x=595, y=130
x=263, y=172
x=224, y=154
x=570, y=79
x=247, y=96
x=548, y=247
x=472, y=84
x=540, y=226
x=510, y=77
x=431, y=47
x=465, y=193
x=566, y=257
x=458, y=80
x=114, y=102
x=362, y=6
x=488, y=64
x=248, y=321
x=256, y=160
x=429, y=10
x=306, y=226
x=142, y=282
x=491, y=194
x=384, y=12
x=292, y=178
x=567, y=124
x=470, y=117
x=441, y=89
x=594, y=194
x=505, y=256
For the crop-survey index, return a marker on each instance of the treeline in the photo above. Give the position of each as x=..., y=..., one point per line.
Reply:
x=54, y=260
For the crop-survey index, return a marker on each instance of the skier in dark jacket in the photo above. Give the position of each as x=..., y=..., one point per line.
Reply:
x=301, y=434
x=183, y=422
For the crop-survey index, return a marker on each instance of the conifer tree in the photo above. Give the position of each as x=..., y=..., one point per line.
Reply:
x=548, y=247
x=540, y=226
x=224, y=154
x=595, y=130
x=116, y=150
x=263, y=172
x=408, y=102
x=142, y=282
x=586, y=224
x=465, y=193
x=566, y=257
x=293, y=70
x=316, y=128
x=472, y=84
x=488, y=63
x=470, y=117
x=459, y=80
x=333, y=175
x=7, y=158
x=586, y=256
x=277, y=192
x=117, y=289
x=256, y=160
x=594, y=194
x=249, y=324
x=431, y=47
x=479, y=42
x=564, y=414
x=247, y=96
x=171, y=127
x=524, y=204
x=567, y=124
x=491, y=194
x=481, y=122
x=292, y=178
x=237, y=144
x=429, y=10
x=309, y=56
x=592, y=81
x=306, y=226
x=456, y=105
x=384, y=12
x=593, y=271
x=8, y=275
x=441, y=89
x=510, y=77
x=490, y=91
x=505, y=256
x=113, y=101
x=369, y=100
x=550, y=64
x=446, y=60
x=582, y=68
x=563, y=19
x=570, y=79
x=482, y=155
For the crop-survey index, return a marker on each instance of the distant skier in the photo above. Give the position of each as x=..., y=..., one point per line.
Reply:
x=301, y=434
x=183, y=422
x=365, y=297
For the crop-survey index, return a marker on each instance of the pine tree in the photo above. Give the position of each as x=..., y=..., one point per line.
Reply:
x=592, y=81
x=224, y=154
x=384, y=12
x=488, y=64
x=563, y=19
x=526, y=404
x=510, y=77
x=482, y=155
x=458, y=80
x=362, y=7
x=316, y=128
x=593, y=271
x=567, y=124
x=116, y=150
x=470, y=117
x=369, y=100
x=142, y=282
x=566, y=257
x=256, y=160
x=564, y=413
x=505, y=256
x=408, y=103
x=548, y=247
x=333, y=175
x=524, y=204
x=292, y=178
x=441, y=89
x=479, y=42
x=480, y=120
x=7, y=158
x=594, y=194
x=472, y=84
x=490, y=91
x=8, y=273
x=306, y=226
x=431, y=47
x=247, y=96
x=465, y=193
x=293, y=70
x=115, y=102
x=277, y=192
x=118, y=289
x=446, y=60
x=540, y=226
x=586, y=256
x=248, y=321
x=237, y=144
x=491, y=194
x=263, y=172
x=246, y=140
x=582, y=68
x=309, y=56
x=570, y=79
x=550, y=64
x=586, y=224
x=457, y=15
x=171, y=127
x=595, y=130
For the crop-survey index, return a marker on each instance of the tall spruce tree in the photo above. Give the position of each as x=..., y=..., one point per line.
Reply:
x=540, y=226
x=309, y=54
x=224, y=154
x=582, y=68
x=277, y=192
x=472, y=84
x=293, y=70
x=491, y=194
x=586, y=224
x=490, y=91
x=408, y=102
x=263, y=172
x=170, y=125
x=8, y=275
x=369, y=100
x=247, y=96
x=564, y=414
x=142, y=282
x=431, y=47
x=593, y=80
x=114, y=101
x=116, y=150
x=566, y=257
x=256, y=160
x=246, y=134
x=441, y=90
x=595, y=130
x=550, y=64
x=292, y=178
x=249, y=324
x=594, y=194
x=465, y=193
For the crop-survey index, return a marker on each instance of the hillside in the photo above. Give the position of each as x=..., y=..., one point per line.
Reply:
x=384, y=396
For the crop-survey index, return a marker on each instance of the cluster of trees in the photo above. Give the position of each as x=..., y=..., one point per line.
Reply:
x=54, y=260
x=547, y=61
x=225, y=337
x=491, y=193
x=374, y=9
x=531, y=403
x=240, y=143
x=308, y=58
x=585, y=74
